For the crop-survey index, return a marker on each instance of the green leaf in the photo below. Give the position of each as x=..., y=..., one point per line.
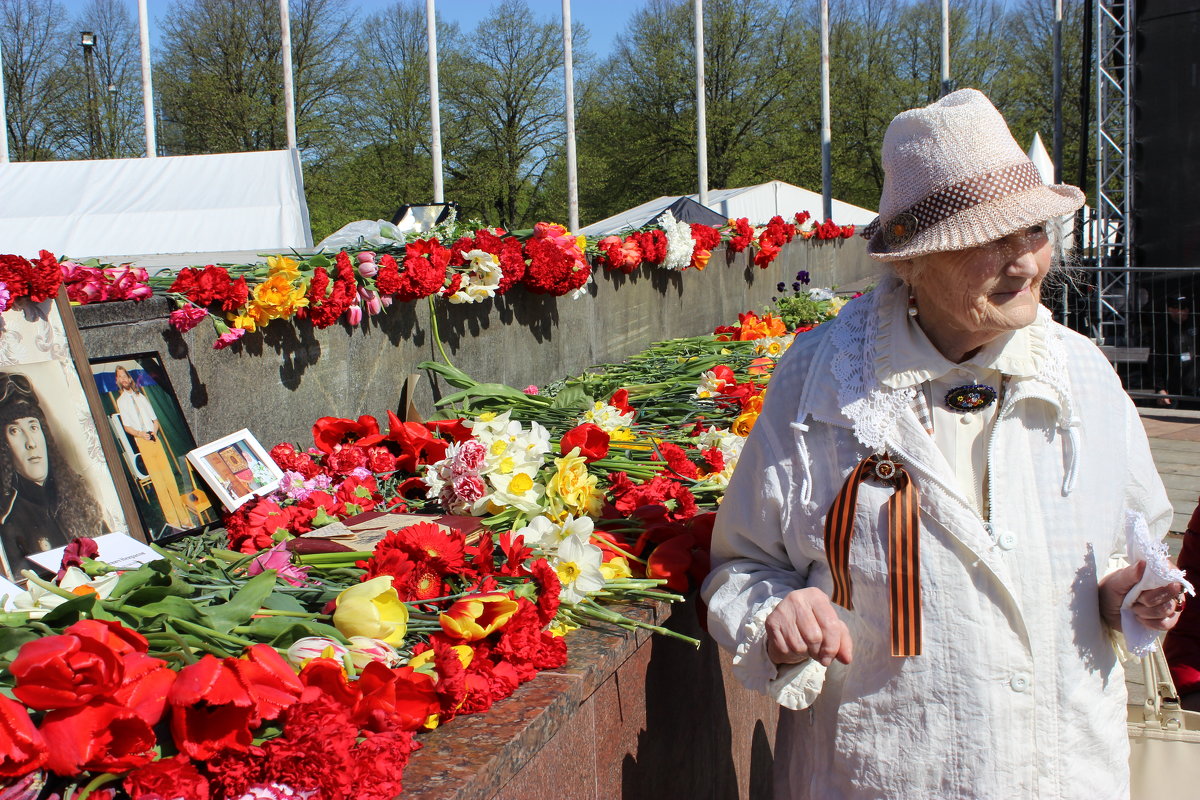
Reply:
x=71, y=611
x=172, y=607
x=245, y=604
x=573, y=397
x=319, y=260
x=282, y=631
x=278, y=601
x=11, y=640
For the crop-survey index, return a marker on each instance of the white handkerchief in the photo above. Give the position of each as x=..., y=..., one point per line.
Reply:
x=1139, y=546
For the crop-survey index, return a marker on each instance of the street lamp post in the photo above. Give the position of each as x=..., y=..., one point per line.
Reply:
x=87, y=40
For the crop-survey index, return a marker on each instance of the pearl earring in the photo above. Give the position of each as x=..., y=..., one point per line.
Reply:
x=912, y=305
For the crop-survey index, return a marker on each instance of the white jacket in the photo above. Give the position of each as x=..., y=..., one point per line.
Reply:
x=1019, y=692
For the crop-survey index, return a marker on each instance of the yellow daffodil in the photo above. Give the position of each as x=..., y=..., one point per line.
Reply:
x=283, y=265
x=278, y=298
x=573, y=490
x=372, y=609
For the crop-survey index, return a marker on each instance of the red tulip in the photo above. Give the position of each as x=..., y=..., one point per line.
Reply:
x=22, y=748
x=104, y=736
x=591, y=440
x=65, y=671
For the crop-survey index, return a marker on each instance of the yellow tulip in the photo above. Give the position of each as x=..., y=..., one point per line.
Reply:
x=372, y=609
x=478, y=616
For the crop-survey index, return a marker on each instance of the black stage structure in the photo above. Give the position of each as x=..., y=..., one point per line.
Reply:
x=1139, y=296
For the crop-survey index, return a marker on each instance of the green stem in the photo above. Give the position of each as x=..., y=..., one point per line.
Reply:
x=200, y=630
x=271, y=612
x=96, y=783
x=48, y=586
x=437, y=337
x=620, y=550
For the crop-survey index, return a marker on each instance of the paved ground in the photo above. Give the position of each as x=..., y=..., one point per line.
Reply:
x=1175, y=443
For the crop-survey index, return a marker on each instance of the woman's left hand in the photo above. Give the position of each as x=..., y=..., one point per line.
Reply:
x=1157, y=609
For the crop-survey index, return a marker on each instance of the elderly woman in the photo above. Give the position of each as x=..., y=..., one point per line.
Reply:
x=919, y=554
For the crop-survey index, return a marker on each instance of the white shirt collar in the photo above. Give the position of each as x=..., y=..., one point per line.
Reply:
x=904, y=356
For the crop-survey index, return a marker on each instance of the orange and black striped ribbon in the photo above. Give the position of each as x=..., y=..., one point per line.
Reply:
x=904, y=561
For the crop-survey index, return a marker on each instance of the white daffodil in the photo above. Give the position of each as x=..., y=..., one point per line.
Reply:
x=710, y=385
x=546, y=534
x=577, y=563
x=513, y=490
x=773, y=346
x=481, y=280
x=488, y=425
x=38, y=601
x=608, y=418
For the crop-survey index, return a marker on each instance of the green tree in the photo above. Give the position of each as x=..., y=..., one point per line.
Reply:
x=118, y=125
x=33, y=44
x=381, y=157
x=503, y=113
x=220, y=75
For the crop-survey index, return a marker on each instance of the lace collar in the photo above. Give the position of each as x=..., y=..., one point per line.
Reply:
x=874, y=409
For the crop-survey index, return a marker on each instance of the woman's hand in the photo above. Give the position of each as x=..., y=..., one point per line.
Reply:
x=1157, y=609
x=806, y=625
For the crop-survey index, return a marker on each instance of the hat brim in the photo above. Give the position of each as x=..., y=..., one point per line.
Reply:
x=983, y=223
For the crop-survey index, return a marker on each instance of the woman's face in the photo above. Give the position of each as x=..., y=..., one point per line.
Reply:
x=27, y=443
x=977, y=294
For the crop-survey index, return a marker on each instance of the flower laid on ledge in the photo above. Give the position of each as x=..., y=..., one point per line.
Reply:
x=461, y=263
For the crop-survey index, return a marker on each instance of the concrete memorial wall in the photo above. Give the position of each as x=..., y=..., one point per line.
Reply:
x=277, y=381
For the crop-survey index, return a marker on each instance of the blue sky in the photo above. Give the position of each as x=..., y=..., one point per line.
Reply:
x=604, y=19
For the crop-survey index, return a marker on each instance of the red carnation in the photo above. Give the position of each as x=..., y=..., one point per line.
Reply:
x=175, y=778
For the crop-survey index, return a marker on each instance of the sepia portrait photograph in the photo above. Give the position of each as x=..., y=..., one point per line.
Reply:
x=153, y=440
x=55, y=480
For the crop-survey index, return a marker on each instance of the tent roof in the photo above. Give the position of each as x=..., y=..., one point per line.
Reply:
x=175, y=204
x=758, y=203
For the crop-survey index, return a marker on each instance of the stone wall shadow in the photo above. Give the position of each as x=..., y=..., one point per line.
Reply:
x=688, y=749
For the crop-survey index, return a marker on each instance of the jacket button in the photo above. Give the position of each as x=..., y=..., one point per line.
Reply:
x=1007, y=541
x=1019, y=682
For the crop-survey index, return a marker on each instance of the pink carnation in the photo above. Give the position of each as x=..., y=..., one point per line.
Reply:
x=469, y=458
x=188, y=317
x=228, y=338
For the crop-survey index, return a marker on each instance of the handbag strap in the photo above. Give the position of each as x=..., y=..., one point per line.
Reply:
x=1161, y=707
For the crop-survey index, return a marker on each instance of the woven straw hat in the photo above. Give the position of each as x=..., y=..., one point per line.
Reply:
x=955, y=178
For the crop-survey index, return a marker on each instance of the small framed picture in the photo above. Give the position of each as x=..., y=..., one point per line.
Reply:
x=153, y=440
x=57, y=456
x=236, y=468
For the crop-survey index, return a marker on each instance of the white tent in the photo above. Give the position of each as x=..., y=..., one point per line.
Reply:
x=757, y=203
x=133, y=206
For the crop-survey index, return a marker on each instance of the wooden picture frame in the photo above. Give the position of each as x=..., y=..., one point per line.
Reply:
x=152, y=439
x=236, y=468
x=57, y=461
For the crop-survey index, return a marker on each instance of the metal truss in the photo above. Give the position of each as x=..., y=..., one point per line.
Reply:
x=1112, y=230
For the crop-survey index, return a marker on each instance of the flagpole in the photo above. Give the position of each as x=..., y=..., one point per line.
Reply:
x=946, y=87
x=569, y=79
x=147, y=84
x=3, y=117
x=435, y=115
x=701, y=109
x=826, y=127
x=1057, y=144
x=289, y=97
